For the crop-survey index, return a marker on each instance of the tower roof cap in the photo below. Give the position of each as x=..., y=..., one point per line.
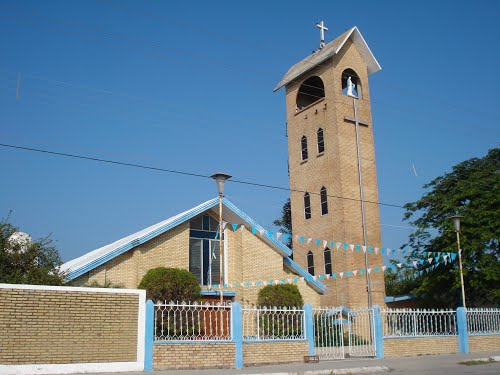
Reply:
x=328, y=51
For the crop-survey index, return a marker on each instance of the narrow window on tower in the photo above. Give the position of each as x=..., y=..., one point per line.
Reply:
x=310, y=263
x=303, y=145
x=327, y=254
x=321, y=141
x=324, y=201
x=307, y=206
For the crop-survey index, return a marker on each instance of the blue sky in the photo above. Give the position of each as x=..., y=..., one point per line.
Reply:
x=188, y=86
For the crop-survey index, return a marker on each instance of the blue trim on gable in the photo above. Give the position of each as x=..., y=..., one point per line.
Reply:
x=294, y=266
x=286, y=251
x=135, y=242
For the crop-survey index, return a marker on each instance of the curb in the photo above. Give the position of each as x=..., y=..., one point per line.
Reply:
x=343, y=371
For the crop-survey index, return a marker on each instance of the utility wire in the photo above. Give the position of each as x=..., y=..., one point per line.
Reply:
x=158, y=169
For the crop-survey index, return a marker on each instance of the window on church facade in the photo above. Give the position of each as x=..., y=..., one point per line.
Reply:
x=351, y=84
x=310, y=263
x=204, y=255
x=327, y=255
x=307, y=206
x=303, y=147
x=324, y=201
x=311, y=90
x=321, y=141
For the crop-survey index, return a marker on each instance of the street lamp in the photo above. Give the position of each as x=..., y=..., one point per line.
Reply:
x=456, y=222
x=220, y=178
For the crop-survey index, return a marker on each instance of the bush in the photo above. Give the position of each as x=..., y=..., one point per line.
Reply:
x=280, y=295
x=170, y=284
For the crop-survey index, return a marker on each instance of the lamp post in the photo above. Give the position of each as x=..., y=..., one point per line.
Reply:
x=456, y=222
x=220, y=178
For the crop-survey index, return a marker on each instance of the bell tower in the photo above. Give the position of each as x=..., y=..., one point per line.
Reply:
x=332, y=169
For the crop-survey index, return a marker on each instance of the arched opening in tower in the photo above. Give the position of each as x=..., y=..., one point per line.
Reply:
x=351, y=84
x=311, y=90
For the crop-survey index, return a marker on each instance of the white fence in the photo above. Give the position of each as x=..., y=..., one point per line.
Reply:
x=273, y=323
x=195, y=321
x=328, y=326
x=483, y=321
x=417, y=322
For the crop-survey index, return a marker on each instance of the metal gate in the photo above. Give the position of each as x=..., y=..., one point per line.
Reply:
x=361, y=333
x=336, y=328
x=328, y=333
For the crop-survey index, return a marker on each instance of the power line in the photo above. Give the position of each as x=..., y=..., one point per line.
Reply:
x=159, y=169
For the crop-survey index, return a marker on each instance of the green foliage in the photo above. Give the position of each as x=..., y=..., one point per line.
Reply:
x=28, y=262
x=285, y=222
x=170, y=284
x=280, y=295
x=106, y=284
x=471, y=189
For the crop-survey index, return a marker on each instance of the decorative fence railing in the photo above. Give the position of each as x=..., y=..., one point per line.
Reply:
x=184, y=321
x=273, y=323
x=483, y=321
x=416, y=322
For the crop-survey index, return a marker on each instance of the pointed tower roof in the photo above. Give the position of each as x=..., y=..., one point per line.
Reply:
x=328, y=51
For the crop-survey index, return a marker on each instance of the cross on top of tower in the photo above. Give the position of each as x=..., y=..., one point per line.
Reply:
x=321, y=26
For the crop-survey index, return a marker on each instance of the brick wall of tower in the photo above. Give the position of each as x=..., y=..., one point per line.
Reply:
x=337, y=170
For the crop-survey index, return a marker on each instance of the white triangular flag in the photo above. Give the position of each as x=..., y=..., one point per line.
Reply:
x=261, y=231
x=327, y=276
x=430, y=260
x=352, y=247
x=341, y=274
x=242, y=227
x=376, y=250
x=324, y=244
x=338, y=245
x=253, y=283
x=400, y=265
x=383, y=268
x=301, y=279
x=289, y=281
x=309, y=240
x=296, y=237
x=369, y=270
x=364, y=249
x=314, y=278
x=278, y=235
x=388, y=251
x=354, y=272
x=415, y=262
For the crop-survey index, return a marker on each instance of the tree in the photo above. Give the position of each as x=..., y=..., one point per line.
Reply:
x=171, y=284
x=23, y=261
x=471, y=189
x=285, y=222
x=285, y=295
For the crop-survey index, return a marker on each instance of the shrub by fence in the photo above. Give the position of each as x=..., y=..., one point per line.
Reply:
x=274, y=323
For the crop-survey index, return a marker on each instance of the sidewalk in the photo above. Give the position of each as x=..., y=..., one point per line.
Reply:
x=435, y=364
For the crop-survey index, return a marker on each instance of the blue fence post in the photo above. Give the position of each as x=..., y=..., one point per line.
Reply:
x=237, y=333
x=379, y=332
x=309, y=326
x=150, y=327
x=463, y=338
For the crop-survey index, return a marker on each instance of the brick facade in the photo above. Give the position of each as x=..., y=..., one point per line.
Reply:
x=260, y=353
x=193, y=356
x=336, y=169
x=60, y=326
x=408, y=347
x=248, y=257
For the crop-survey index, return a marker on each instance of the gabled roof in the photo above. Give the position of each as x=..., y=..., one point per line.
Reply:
x=230, y=213
x=328, y=51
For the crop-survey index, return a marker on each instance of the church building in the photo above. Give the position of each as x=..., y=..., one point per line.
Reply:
x=334, y=196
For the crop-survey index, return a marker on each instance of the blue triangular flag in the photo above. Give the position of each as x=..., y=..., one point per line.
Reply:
x=348, y=273
x=370, y=249
x=318, y=242
x=362, y=271
x=254, y=230
x=302, y=239
x=269, y=233
x=345, y=246
x=332, y=243
x=235, y=226
x=358, y=248
x=287, y=236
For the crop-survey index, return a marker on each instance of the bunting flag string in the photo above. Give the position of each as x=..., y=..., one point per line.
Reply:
x=341, y=275
x=432, y=257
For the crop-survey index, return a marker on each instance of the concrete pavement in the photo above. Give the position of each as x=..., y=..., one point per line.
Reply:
x=426, y=365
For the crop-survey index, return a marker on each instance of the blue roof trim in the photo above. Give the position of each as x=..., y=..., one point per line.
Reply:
x=315, y=283
x=286, y=251
x=400, y=298
x=135, y=242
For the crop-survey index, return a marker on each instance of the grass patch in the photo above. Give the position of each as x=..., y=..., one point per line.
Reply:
x=474, y=362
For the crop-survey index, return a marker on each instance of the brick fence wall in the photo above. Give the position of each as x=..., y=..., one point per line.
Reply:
x=52, y=326
x=193, y=356
x=483, y=343
x=413, y=346
x=259, y=353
